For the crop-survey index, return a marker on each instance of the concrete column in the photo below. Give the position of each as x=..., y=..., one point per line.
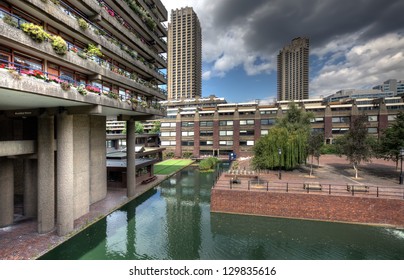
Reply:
x=64, y=180
x=98, y=161
x=6, y=192
x=130, y=157
x=30, y=188
x=46, y=174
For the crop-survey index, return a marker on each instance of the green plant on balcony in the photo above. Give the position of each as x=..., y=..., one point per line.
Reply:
x=82, y=23
x=132, y=53
x=82, y=90
x=10, y=21
x=36, y=32
x=14, y=74
x=144, y=104
x=93, y=51
x=150, y=23
x=59, y=45
x=113, y=95
x=82, y=54
x=65, y=85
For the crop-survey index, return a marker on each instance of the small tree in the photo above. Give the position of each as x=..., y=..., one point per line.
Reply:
x=392, y=140
x=314, y=145
x=139, y=128
x=356, y=145
x=156, y=127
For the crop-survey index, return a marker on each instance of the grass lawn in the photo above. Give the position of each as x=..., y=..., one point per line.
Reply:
x=169, y=166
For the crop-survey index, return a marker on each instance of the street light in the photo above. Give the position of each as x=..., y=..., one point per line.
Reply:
x=401, y=170
x=280, y=173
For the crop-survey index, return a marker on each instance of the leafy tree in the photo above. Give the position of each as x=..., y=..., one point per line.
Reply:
x=290, y=134
x=208, y=163
x=392, y=140
x=314, y=145
x=139, y=128
x=357, y=145
x=156, y=127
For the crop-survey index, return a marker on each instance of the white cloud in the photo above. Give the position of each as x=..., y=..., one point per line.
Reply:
x=365, y=65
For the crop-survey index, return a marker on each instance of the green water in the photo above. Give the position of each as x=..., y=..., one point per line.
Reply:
x=173, y=221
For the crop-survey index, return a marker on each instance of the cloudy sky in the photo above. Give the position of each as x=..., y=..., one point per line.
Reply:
x=353, y=43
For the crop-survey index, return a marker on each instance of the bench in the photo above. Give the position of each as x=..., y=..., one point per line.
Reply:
x=357, y=188
x=148, y=180
x=235, y=181
x=315, y=186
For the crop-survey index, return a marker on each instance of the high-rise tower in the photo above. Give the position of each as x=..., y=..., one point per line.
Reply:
x=293, y=70
x=184, y=55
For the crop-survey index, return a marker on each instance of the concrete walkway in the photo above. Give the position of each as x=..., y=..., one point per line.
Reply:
x=21, y=240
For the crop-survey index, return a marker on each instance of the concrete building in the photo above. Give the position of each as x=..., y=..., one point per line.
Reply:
x=293, y=70
x=184, y=55
x=99, y=59
x=392, y=85
x=358, y=93
x=223, y=128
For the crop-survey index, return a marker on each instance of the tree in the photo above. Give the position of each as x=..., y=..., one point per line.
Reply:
x=290, y=135
x=392, y=140
x=139, y=128
x=357, y=145
x=156, y=127
x=314, y=145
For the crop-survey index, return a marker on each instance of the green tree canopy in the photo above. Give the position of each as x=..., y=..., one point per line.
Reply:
x=139, y=128
x=357, y=145
x=290, y=135
x=156, y=127
x=392, y=139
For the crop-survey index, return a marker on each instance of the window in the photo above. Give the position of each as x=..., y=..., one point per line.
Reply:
x=247, y=132
x=372, y=130
x=264, y=132
x=317, y=130
x=168, y=133
x=226, y=132
x=187, y=133
x=391, y=117
x=226, y=143
x=187, y=143
x=172, y=124
x=339, y=130
x=206, y=133
x=206, y=143
x=373, y=118
x=206, y=123
x=268, y=122
x=246, y=143
x=168, y=143
x=317, y=120
x=187, y=124
x=340, y=120
x=29, y=62
x=246, y=122
x=226, y=123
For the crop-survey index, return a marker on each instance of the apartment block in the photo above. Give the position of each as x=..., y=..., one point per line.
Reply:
x=65, y=67
x=293, y=70
x=219, y=129
x=184, y=55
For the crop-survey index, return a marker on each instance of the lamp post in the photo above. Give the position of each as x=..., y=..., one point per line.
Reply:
x=401, y=169
x=280, y=172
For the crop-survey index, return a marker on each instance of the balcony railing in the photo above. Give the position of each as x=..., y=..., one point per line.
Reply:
x=16, y=21
x=66, y=82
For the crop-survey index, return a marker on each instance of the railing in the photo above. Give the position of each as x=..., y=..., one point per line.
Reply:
x=71, y=47
x=234, y=182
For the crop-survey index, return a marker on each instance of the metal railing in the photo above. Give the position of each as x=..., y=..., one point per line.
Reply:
x=321, y=188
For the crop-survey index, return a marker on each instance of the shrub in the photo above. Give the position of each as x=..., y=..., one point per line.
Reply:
x=93, y=51
x=208, y=163
x=169, y=155
x=65, y=85
x=59, y=45
x=329, y=149
x=36, y=32
x=81, y=89
x=187, y=155
x=83, y=24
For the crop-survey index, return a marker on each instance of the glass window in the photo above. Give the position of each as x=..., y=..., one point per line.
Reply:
x=187, y=124
x=246, y=122
x=264, y=132
x=372, y=130
x=29, y=62
x=226, y=132
x=373, y=118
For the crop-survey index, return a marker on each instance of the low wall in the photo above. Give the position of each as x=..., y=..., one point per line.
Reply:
x=310, y=206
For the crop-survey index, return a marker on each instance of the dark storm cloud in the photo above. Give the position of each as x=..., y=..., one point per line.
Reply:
x=273, y=23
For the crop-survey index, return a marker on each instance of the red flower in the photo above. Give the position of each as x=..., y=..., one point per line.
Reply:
x=2, y=65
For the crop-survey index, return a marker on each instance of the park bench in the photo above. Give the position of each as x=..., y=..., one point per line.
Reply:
x=357, y=188
x=315, y=186
x=235, y=181
x=148, y=180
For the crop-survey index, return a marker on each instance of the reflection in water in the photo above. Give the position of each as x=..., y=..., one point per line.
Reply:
x=174, y=221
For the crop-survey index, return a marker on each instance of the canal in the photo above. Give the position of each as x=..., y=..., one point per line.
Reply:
x=173, y=221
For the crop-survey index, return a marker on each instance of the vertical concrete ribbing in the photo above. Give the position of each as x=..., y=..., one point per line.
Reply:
x=6, y=192
x=65, y=187
x=30, y=188
x=130, y=156
x=46, y=174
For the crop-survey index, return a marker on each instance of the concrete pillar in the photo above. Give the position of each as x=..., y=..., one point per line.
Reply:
x=130, y=157
x=81, y=157
x=98, y=161
x=64, y=180
x=46, y=174
x=6, y=192
x=30, y=188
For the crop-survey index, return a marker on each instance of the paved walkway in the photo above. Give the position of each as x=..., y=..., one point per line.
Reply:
x=21, y=240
